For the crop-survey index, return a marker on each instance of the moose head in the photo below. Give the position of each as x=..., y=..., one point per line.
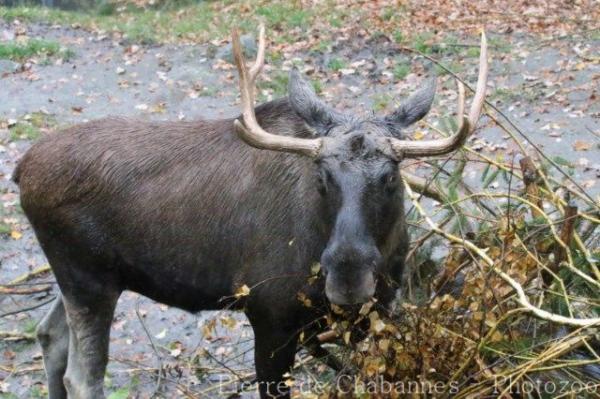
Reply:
x=357, y=161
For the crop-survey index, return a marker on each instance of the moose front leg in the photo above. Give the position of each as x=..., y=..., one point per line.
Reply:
x=274, y=352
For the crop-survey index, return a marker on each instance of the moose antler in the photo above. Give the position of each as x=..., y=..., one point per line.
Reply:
x=413, y=149
x=250, y=131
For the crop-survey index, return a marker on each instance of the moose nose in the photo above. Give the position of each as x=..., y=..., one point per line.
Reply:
x=350, y=271
x=360, y=291
x=350, y=256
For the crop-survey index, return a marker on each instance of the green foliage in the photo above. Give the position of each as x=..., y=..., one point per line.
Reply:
x=420, y=43
x=401, y=70
x=24, y=131
x=335, y=64
x=381, y=101
x=317, y=86
x=30, y=326
x=121, y=393
x=276, y=85
x=278, y=15
x=388, y=13
x=473, y=52
x=32, y=48
x=398, y=36
x=37, y=392
x=106, y=8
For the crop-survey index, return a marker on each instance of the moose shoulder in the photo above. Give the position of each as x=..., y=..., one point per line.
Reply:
x=186, y=213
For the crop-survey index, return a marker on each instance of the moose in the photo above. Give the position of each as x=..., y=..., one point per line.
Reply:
x=188, y=212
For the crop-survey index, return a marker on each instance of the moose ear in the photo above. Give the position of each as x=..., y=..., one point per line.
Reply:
x=414, y=107
x=305, y=102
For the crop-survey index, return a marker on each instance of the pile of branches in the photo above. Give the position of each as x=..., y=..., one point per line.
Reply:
x=512, y=310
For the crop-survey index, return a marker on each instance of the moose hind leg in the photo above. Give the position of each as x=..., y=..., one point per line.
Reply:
x=53, y=336
x=89, y=334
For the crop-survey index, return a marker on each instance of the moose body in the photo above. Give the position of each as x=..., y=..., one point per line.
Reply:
x=186, y=213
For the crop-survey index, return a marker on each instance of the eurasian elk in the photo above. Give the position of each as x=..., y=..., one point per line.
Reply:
x=185, y=213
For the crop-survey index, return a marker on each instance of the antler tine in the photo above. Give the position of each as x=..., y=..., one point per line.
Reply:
x=412, y=149
x=260, y=54
x=460, y=112
x=479, y=98
x=251, y=131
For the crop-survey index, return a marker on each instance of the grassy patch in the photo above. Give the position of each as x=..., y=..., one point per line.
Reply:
x=33, y=48
x=421, y=43
x=4, y=229
x=454, y=66
x=381, y=102
x=30, y=127
x=24, y=131
x=473, y=52
x=401, y=69
x=198, y=22
x=504, y=95
x=317, y=86
x=398, y=36
x=277, y=85
x=335, y=64
x=284, y=15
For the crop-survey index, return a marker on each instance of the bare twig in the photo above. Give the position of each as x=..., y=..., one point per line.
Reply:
x=158, y=356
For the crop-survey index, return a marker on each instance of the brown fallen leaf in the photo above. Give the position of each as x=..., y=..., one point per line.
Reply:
x=580, y=145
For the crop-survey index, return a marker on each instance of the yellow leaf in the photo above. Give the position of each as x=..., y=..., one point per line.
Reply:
x=244, y=290
x=378, y=326
x=315, y=268
x=229, y=322
x=304, y=299
x=347, y=337
x=580, y=145
x=16, y=235
x=208, y=328
x=384, y=345
x=419, y=134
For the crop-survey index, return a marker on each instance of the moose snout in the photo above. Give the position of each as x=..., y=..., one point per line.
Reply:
x=350, y=274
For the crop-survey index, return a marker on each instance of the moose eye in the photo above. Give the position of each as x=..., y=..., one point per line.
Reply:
x=389, y=181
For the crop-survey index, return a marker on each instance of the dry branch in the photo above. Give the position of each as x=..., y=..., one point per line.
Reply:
x=24, y=291
x=530, y=178
x=521, y=298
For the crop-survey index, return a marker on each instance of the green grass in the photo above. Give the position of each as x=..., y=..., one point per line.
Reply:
x=33, y=48
x=282, y=15
x=381, y=102
x=335, y=64
x=455, y=66
x=322, y=45
x=421, y=43
x=30, y=126
x=388, y=13
x=398, y=36
x=277, y=85
x=400, y=71
x=24, y=131
x=473, y=52
x=317, y=86
x=4, y=229
x=198, y=22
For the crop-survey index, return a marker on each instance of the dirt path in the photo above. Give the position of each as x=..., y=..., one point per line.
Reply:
x=550, y=90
